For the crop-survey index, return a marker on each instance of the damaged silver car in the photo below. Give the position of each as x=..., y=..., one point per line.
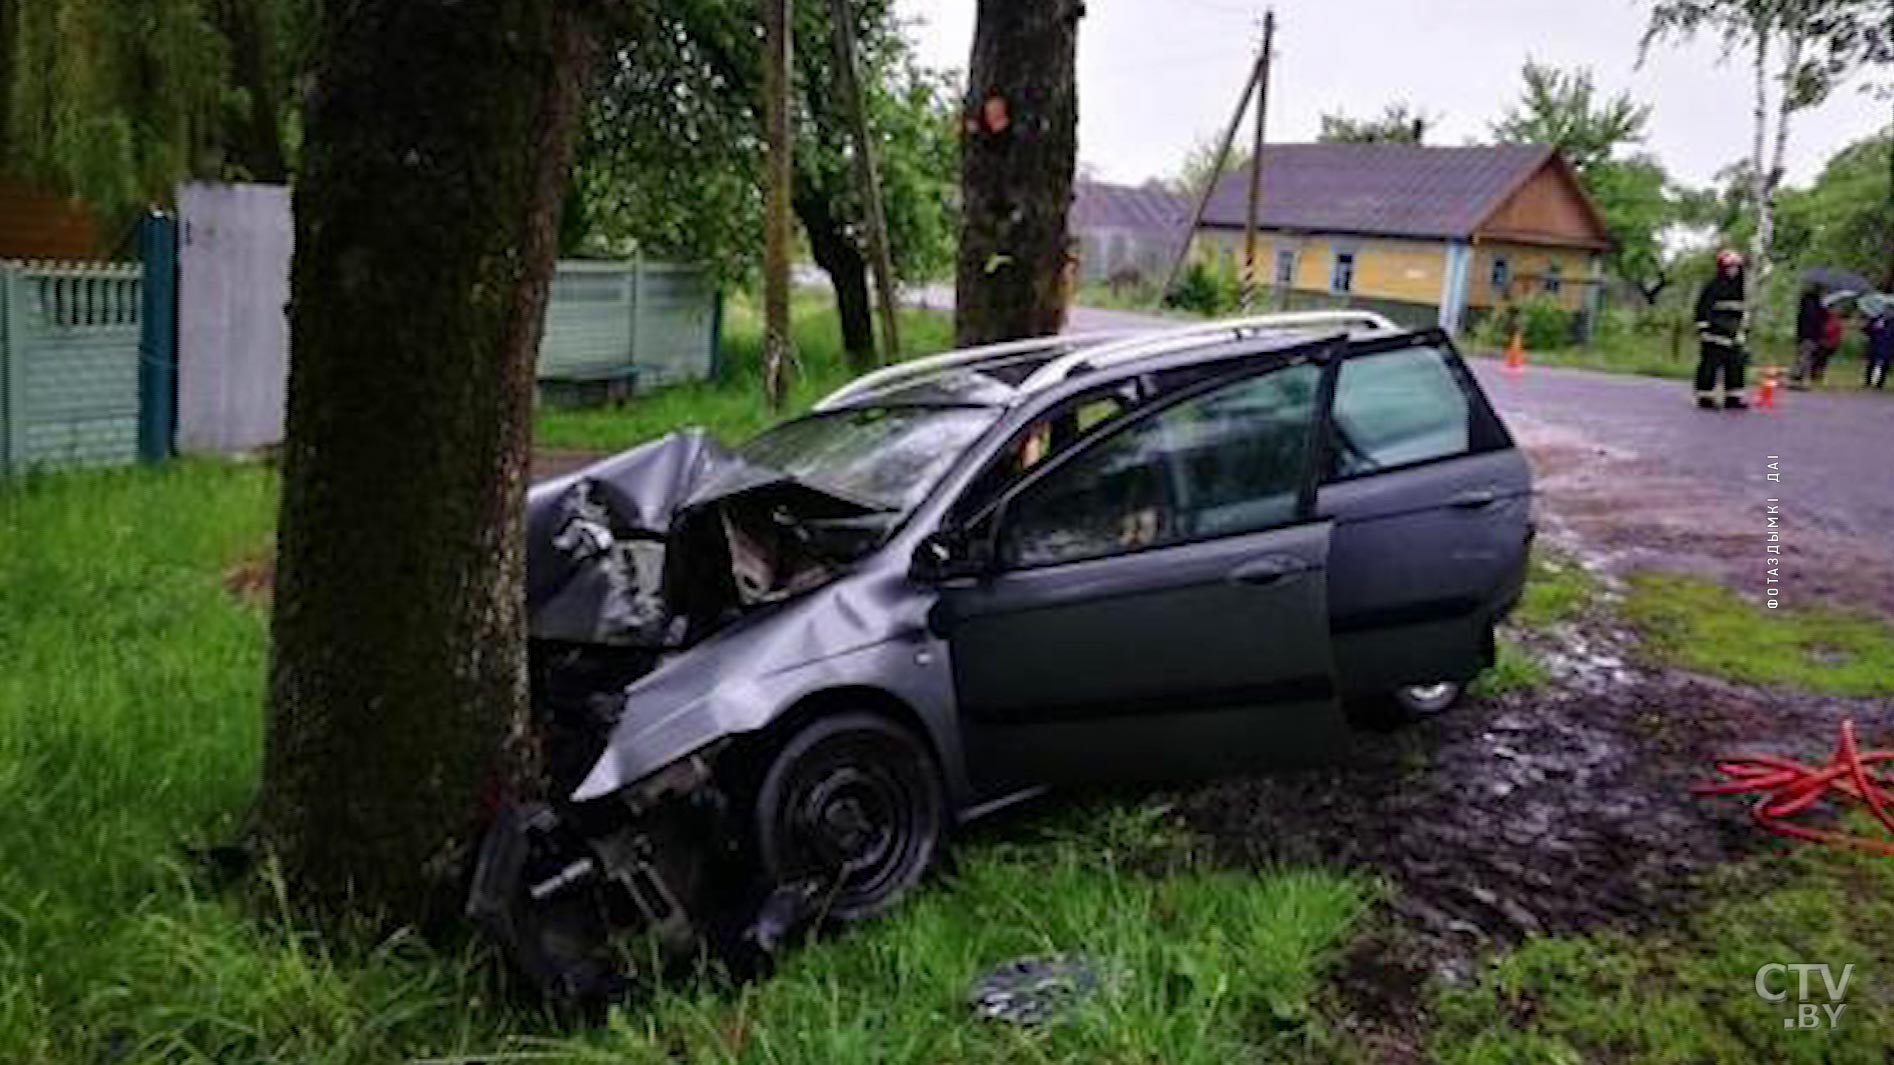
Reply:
x=776, y=678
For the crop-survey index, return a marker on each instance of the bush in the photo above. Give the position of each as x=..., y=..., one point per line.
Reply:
x=1546, y=324
x=1204, y=289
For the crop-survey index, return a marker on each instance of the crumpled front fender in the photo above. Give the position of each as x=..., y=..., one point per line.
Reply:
x=861, y=632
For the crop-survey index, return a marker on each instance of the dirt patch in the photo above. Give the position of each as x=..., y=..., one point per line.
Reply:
x=253, y=580
x=1535, y=813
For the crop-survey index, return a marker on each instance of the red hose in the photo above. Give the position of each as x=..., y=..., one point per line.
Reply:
x=1788, y=787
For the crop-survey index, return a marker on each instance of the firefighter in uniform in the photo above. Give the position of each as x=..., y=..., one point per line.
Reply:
x=1720, y=314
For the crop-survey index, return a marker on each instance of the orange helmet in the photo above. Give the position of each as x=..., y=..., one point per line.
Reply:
x=1729, y=257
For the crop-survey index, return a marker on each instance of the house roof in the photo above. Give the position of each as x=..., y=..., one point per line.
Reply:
x=1404, y=190
x=1146, y=208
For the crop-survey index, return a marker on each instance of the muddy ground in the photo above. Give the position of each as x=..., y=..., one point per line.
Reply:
x=1568, y=808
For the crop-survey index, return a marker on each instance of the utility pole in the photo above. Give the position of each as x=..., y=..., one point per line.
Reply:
x=777, y=352
x=1256, y=161
x=867, y=175
x=1216, y=175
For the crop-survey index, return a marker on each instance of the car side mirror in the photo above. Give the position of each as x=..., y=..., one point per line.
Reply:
x=948, y=553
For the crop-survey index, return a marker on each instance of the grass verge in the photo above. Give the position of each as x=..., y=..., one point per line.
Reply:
x=1687, y=994
x=1706, y=627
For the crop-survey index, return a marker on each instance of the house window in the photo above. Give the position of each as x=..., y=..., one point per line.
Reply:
x=1502, y=273
x=1553, y=280
x=1342, y=277
x=1285, y=268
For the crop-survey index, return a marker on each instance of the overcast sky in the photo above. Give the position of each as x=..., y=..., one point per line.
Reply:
x=1157, y=76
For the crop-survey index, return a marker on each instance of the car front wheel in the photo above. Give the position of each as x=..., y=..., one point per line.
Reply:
x=852, y=803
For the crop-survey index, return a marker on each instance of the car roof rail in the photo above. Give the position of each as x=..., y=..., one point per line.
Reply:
x=928, y=366
x=1204, y=334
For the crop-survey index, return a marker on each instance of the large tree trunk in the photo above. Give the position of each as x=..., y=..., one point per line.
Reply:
x=778, y=166
x=439, y=137
x=1019, y=142
x=839, y=257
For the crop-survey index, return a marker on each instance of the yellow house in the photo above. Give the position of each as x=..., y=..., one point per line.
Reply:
x=1426, y=235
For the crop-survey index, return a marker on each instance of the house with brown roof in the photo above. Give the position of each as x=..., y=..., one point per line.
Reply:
x=1125, y=230
x=1424, y=234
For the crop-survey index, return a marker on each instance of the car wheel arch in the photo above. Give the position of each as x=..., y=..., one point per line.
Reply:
x=754, y=750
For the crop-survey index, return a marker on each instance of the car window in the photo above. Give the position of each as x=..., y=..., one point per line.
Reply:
x=1049, y=434
x=1397, y=408
x=888, y=455
x=1229, y=461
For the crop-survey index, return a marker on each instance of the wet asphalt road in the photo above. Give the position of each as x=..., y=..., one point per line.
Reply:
x=1836, y=449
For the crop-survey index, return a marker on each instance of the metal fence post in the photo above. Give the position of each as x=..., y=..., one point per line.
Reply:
x=158, y=337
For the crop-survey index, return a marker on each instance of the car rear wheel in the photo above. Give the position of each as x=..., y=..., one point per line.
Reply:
x=853, y=803
x=1419, y=701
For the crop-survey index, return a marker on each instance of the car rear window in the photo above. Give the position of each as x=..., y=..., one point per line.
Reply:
x=1398, y=408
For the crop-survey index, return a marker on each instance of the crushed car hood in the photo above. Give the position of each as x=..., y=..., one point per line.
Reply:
x=658, y=546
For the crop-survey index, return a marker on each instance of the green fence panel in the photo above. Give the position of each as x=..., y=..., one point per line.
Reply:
x=71, y=363
x=656, y=323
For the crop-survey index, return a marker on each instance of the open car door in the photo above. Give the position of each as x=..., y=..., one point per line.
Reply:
x=1158, y=608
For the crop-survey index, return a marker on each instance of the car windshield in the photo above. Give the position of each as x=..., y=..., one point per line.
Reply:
x=886, y=455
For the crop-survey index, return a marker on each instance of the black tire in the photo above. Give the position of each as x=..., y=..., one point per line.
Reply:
x=854, y=800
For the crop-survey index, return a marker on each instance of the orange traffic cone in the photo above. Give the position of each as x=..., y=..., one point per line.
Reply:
x=1516, y=354
x=1771, y=385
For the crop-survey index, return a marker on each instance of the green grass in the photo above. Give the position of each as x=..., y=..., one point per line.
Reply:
x=1686, y=993
x=1514, y=669
x=1650, y=356
x=731, y=406
x=131, y=686
x=1635, y=354
x=1558, y=591
x=1708, y=628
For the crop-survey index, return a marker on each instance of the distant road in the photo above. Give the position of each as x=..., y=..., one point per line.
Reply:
x=1836, y=449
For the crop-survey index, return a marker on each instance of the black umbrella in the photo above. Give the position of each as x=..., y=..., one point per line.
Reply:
x=1836, y=280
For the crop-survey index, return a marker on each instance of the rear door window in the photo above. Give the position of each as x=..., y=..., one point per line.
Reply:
x=1398, y=408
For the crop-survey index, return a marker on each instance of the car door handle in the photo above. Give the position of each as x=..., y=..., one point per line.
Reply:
x=1271, y=568
x=1475, y=499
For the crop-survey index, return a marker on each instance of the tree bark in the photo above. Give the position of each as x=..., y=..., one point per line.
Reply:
x=1019, y=143
x=867, y=179
x=839, y=257
x=779, y=135
x=1759, y=270
x=9, y=23
x=439, y=138
x=1759, y=179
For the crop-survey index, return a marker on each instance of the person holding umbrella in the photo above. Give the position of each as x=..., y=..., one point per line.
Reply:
x=1877, y=312
x=1721, y=311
